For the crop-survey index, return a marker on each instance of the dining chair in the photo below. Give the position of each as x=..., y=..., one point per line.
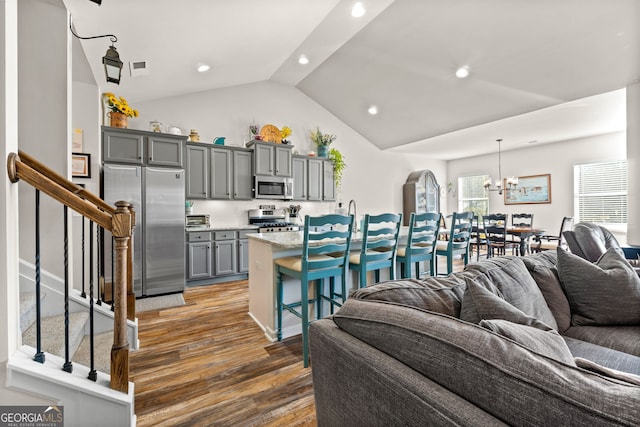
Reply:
x=379, y=245
x=478, y=238
x=522, y=220
x=495, y=229
x=325, y=254
x=421, y=242
x=458, y=242
x=547, y=242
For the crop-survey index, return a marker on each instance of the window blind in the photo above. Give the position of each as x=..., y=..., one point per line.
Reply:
x=601, y=192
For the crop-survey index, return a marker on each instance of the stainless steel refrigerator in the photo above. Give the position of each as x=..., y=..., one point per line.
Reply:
x=157, y=195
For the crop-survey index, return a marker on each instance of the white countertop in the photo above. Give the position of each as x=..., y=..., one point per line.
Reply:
x=294, y=239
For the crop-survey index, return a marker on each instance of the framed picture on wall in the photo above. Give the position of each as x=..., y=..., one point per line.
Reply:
x=81, y=165
x=531, y=189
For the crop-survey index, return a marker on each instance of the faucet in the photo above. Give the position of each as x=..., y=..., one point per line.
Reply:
x=355, y=212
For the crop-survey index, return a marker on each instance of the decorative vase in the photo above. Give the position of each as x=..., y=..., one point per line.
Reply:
x=323, y=151
x=118, y=120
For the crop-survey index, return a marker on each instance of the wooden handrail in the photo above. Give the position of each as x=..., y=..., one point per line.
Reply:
x=119, y=221
x=63, y=182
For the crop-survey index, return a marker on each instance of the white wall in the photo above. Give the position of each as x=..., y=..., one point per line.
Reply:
x=556, y=159
x=373, y=178
x=43, y=114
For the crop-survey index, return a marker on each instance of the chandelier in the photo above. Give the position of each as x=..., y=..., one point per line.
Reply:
x=510, y=182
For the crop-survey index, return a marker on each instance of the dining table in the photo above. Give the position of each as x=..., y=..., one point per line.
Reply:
x=524, y=233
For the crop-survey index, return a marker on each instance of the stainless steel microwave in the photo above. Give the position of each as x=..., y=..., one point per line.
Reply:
x=273, y=187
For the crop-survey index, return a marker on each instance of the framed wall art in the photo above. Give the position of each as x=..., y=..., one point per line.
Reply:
x=531, y=189
x=81, y=165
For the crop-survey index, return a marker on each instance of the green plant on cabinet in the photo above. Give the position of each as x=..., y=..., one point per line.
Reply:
x=338, y=165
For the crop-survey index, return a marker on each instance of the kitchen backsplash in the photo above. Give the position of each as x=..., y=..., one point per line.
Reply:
x=234, y=213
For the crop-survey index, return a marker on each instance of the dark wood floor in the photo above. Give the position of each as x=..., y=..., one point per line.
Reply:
x=208, y=364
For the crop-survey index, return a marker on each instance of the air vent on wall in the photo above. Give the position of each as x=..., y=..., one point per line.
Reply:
x=139, y=68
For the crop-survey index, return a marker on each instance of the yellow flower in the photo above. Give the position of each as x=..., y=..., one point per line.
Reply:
x=119, y=105
x=285, y=132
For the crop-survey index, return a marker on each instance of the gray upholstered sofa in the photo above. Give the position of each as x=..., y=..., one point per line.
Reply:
x=547, y=339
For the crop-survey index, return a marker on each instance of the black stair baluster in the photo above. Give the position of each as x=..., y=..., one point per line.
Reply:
x=100, y=238
x=68, y=366
x=83, y=294
x=39, y=356
x=93, y=375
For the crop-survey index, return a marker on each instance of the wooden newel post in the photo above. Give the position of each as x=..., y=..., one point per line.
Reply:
x=121, y=232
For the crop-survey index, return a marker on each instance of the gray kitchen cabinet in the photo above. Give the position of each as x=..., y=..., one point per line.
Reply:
x=272, y=159
x=315, y=177
x=199, y=255
x=197, y=172
x=242, y=175
x=141, y=147
x=243, y=250
x=299, y=169
x=220, y=173
x=122, y=147
x=283, y=160
x=263, y=159
x=164, y=150
x=224, y=253
x=231, y=174
x=328, y=181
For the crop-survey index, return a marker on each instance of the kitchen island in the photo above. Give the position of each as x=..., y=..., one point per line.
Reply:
x=266, y=247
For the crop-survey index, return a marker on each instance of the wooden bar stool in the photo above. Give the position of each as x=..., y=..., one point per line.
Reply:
x=325, y=254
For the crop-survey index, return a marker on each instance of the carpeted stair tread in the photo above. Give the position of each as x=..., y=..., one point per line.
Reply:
x=53, y=333
x=102, y=356
x=28, y=309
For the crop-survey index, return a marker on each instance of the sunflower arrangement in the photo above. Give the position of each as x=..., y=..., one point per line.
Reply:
x=284, y=133
x=119, y=105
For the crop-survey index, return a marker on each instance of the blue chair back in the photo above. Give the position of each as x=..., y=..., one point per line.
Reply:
x=380, y=237
x=423, y=233
x=326, y=235
x=461, y=227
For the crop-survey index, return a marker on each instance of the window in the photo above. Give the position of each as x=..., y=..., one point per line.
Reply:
x=472, y=196
x=600, y=192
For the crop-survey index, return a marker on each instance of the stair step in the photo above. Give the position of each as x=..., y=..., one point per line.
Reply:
x=53, y=333
x=102, y=356
x=28, y=309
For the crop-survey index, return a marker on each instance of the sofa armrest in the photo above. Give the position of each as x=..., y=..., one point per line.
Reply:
x=356, y=384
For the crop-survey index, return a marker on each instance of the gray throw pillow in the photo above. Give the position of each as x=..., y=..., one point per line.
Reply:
x=547, y=343
x=480, y=303
x=510, y=276
x=549, y=284
x=603, y=293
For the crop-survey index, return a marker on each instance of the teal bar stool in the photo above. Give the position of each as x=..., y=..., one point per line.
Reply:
x=379, y=245
x=459, y=239
x=325, y=254
x=421, y=243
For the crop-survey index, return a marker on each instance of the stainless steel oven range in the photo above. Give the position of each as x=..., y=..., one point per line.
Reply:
x=269, y=219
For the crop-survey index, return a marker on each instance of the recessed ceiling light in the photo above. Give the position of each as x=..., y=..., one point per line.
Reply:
x=203, y=68
x=358, y=10
x=462, y=72
x=303, y=60
x=373, y=110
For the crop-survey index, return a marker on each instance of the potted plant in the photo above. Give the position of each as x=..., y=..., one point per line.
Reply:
x=322, y=141
x=120, y=110
x=338, y=166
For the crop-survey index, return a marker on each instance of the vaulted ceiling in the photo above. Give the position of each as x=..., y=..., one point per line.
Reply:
x=544, y=70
